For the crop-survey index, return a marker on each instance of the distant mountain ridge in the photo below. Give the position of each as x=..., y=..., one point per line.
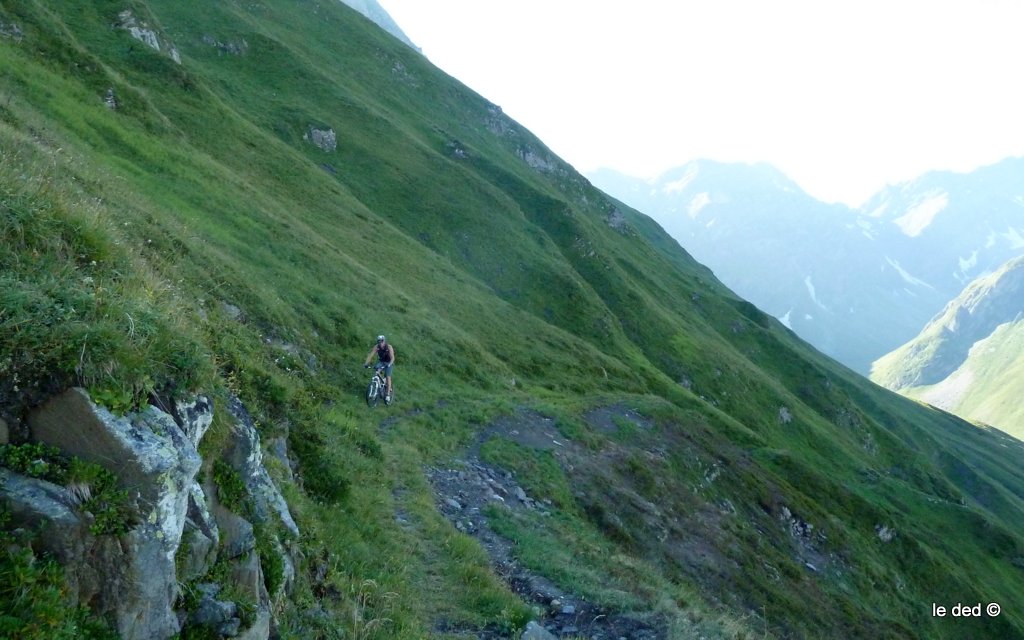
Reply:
x=856, y=283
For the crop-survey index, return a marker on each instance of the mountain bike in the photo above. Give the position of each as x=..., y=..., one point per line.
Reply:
x=378, y=388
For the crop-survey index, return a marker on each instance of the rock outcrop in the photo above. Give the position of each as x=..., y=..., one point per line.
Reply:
x=142, y=31
x=324, y=139
x=133, y=578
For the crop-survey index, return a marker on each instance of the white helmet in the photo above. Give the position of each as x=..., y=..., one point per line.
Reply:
x=380, y=339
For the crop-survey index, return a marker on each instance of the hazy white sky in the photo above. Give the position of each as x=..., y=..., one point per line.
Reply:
x=842, y=97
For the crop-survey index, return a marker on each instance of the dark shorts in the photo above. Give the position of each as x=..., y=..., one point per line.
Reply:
x=386, y=367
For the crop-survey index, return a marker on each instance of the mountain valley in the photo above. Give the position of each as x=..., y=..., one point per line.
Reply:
x=209, y=210
x=854, y=283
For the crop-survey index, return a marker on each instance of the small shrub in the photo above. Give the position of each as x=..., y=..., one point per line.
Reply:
x=118, y=398
x=513, y=620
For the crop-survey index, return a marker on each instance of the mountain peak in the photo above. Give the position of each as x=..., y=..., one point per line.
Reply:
x=372, y=10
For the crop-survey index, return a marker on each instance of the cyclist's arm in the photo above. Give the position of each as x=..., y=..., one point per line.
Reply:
x=392, y=350
x=369, y=357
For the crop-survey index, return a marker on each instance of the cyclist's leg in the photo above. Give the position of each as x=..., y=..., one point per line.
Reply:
x=387, y=375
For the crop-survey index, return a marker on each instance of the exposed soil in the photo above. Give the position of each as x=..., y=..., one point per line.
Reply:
x=606, y=419
x=463, y=492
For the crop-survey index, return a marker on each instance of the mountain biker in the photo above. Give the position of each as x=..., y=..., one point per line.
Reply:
x=385, y=356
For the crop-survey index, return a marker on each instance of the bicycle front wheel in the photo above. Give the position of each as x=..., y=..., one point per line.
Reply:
x=373, y=394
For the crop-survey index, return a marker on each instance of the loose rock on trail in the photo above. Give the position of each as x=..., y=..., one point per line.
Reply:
x=463, y=493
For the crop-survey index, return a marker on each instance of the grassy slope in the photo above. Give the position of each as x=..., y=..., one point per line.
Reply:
x=966, y=359
x=501, y=285
x=985, y=386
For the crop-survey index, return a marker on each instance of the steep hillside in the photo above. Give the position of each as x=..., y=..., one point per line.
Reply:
x=591, y=434
x=856, y=284
x=966, y=359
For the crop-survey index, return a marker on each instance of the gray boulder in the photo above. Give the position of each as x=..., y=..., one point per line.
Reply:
x=200, y=538
x=125, y=577
x=44, y=507
x=217, y=614
x=536, y=632
x=157, y=461
x=325, y=139
x=133, y=579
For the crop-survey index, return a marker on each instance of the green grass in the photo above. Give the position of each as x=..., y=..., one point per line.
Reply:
x=191, y=240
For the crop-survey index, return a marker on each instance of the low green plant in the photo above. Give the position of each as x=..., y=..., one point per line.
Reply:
x=231, y=489
x=32, y=596
x=35, y=460
x=269, y=549
x=199, y=632
x=119, y=399
x=323, y=474
x=513, y=620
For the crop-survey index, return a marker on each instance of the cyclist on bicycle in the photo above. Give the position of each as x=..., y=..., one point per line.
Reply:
x=385, y=356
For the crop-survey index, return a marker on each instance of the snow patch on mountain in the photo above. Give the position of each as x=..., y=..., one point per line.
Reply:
x=677, y=186
x=909, y=279
x=814, y=295
x=702, y=200
x=785, y=320
x=878, y=211
x=1014, y=237
x=867, y=229
x=969, y=263
x=917, y=219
